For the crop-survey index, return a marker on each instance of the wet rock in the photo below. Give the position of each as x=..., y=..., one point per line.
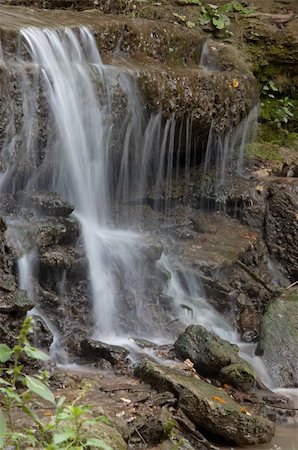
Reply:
x=249, y=319
x=64, y=257
x=110, y=436
x=16, y=302
x=95, y=350
x=208, y=352
x=152, y=427
x=7, y=203
x=279, y=339
x=239, y=375
x=42, y=336
x=47, y=203
x=275, y=407
x=8, y=283
x=161, y=399
x=281, y=226
x=206, y=406
x=150, y=249
x=52, y=231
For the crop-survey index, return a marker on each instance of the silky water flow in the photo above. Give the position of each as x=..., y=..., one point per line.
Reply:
x=100, y=151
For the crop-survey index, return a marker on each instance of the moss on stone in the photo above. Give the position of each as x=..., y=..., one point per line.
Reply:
x=110, y=436
x=207, y=406
x=239, y=375
x=264, y=151
x=279, y=339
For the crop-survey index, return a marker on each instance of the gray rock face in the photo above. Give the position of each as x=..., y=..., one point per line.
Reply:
x=207, y=351
x=14, y=302
x=279, y=340
x=281, y=226
x=206, y=406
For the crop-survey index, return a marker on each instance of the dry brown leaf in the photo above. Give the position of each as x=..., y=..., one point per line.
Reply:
x=218, y=399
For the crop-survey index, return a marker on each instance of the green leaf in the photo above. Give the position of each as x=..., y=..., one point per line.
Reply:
x=4, y=382
x=66, y=435
x=10, y=393
x=60, y=402
x=34, y=353
x=27, y=410
x=39, y=388
x=99, y=443
x=190, y=24
x=5, y=353
x=3, y=430
x=204, y=20
x=225, y=8
x=218, y=23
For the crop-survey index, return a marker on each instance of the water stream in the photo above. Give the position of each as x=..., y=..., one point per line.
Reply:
x=100, y=150
x=96, y=155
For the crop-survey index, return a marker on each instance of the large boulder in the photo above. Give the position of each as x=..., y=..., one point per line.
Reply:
x=208, y=352
x=279, y=339
x=208, y=407
x=281, y=226
x=93, y=350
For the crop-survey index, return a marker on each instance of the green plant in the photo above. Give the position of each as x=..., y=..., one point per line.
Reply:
x=217, y=15
x=212, y=14
x=183, y=19
x=71, y=426
x=269, y=89
x=277, y=112
x=285, y=111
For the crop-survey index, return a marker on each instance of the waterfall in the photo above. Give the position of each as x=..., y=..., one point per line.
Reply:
x=83, y=132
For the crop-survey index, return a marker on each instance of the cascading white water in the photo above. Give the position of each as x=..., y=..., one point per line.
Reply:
x=83, y=137
x=226, y=152
x=190, y=303
x=99, y=151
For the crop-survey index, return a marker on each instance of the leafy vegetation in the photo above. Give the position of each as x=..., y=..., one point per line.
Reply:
x=70, y=427
x=214, y=15
x=277, y=111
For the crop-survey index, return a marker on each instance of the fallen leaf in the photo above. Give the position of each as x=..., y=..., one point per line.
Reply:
x=235, y=83
x=245, y=411
x=218, y=399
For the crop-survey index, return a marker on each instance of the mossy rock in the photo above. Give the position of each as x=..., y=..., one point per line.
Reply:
x=279, y=339
x=110, y=436
x=16, y=302
x=208, y=352
x=239, y=375
x=206, y=406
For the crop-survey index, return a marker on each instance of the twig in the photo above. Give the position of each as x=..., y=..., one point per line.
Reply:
x=292, y=285
x=139, y=434
x=254, y=276
x=278, y=18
